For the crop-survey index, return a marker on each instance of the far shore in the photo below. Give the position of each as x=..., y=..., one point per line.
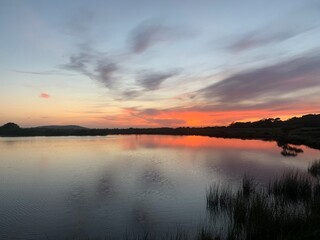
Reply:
x=298, y=131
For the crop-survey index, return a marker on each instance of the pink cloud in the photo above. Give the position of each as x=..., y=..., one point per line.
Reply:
x=44, y=95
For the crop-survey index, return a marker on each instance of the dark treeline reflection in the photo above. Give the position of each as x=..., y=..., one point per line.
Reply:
x=290, y=151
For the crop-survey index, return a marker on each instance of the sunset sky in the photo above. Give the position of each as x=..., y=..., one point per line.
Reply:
x=134, y=63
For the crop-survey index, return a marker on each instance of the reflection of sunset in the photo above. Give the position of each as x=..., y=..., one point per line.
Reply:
x=202, y=142
x=193, y=142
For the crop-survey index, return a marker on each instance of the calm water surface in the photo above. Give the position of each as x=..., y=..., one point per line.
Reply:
x=97, y=187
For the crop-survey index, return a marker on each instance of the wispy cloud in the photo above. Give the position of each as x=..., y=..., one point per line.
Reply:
x=105, y=72
x=129, y=94
x=94, y=64
x=155, y=119
x=254, y=39
x=271, y=81
x=261, y=38
x=148, y=34
x=43, y=72
x=145, y=81
x=44, y=95
x=153, y=80
x=298, y=22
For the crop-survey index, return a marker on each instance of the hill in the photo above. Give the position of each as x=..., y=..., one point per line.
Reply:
x=9, y=126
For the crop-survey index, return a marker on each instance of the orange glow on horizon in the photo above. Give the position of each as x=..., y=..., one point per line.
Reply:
x=203, y=119
x=46, y=113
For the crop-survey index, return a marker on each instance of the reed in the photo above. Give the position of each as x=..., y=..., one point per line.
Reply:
x=314, y=168
x=288, y=209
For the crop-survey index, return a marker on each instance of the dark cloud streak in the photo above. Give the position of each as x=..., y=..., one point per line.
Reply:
x=104, y=72
x=291, y=25
x=148, y=81
x=254, y=39
x=261, y=38
x=272, y=81
x=43, y=73
x=95, y=65
x=152, y=80
x=153, y=119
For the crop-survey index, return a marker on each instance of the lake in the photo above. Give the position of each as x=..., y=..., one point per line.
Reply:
x=114, y=186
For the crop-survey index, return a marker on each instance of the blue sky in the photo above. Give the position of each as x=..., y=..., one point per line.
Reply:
x=157, y=63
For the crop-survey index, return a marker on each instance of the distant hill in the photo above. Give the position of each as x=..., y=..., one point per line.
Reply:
x=65, y=127
x=10, y=126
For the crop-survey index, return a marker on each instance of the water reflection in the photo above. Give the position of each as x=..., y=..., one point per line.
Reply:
x=198, y=142
x=106, y=188
x=79, y=187
x=79, y=209
x=191, y=142
x=142, y=217
x=289, y=150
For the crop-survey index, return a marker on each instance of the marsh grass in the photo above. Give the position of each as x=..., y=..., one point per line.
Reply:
x=248, y=186
x=314, y=168
x=288, y=209
x=219, y=198
x=206, y=234
x=179, y=235
x=292, y=186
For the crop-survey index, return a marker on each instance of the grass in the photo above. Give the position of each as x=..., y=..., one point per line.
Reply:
x=314, y=168
x=248, y=186
x=292, y=187
x=219, y=198
x=288, y=209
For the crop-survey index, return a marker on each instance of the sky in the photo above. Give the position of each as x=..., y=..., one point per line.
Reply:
x=148, y=63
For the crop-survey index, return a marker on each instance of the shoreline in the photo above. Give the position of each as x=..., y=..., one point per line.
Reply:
x=303, y=130
x=301, y=136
